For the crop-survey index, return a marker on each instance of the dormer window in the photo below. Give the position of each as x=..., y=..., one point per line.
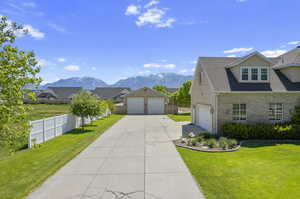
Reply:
x=254, y=74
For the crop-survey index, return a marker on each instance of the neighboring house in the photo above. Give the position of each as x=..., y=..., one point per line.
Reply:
x=250, y=89
x=110, y=93
x=172, y=90
x=57, y=94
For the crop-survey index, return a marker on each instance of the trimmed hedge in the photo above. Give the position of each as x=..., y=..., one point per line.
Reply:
x=261, y=131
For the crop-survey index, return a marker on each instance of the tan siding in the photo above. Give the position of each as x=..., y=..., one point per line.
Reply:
x=292, y=73
x=257, y=106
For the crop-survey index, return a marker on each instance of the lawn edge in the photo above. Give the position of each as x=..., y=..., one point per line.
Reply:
x=66, y=160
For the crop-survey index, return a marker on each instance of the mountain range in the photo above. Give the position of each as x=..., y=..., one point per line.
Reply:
x=170, y=80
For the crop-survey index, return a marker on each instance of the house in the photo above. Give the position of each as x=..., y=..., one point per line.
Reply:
x=110, y=93
x=147, y=101
x=57, y=95
x=249, y=89
x=172, y=90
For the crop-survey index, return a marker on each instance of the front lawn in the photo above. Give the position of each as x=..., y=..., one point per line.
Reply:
x=25, y=170
x=257, y=170
x=40, y=111
x=185, y=117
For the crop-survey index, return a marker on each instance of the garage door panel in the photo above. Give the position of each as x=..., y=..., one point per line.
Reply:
x=156, y=105
x=135, y=105
x=204, y=117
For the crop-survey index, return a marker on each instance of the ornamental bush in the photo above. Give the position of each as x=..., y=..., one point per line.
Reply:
x=261, y=131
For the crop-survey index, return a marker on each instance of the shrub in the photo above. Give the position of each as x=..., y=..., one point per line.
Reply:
x=296, y=116
x=223, y=143
x=194, y=142
x=211, y=143
x=261, y=131
x=200, y=138
x=232, y=143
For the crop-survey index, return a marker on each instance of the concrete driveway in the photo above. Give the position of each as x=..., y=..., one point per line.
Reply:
x=135, y=159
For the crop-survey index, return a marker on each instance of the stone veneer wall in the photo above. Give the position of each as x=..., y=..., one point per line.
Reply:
x=257, y=106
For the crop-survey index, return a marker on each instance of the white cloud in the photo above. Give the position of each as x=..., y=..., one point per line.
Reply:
x=293, y=42
x=183, y=71
x=42, y=62
x=29, y=4
x=166, y=24
x=58, y=28
x=132, y=10
x=231, y=56
x=61, y=59
x=193, y=70
x=151, y=3
x=273, y=53
x=33, y=32
x=144, y=72
x=94, y=68
x=241, y=1
x=237, y=50
x=72, y=68
x=154, y=65
x=155, y=16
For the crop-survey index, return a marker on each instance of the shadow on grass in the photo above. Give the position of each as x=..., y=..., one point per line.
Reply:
x=266, y=143
x=79, y=131
x=183, y=114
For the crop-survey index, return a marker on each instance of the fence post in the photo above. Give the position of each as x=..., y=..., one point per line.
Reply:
x=29, y=137
x=44, y=129
x=55, y=126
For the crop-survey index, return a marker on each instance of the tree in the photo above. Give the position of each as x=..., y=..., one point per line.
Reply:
x=85, y=105
x=111, y=105
x=162, y=89
x=17, y=69
x=182, y=96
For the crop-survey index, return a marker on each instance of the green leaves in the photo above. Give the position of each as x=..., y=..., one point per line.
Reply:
x=182, y=96
x=17, y=69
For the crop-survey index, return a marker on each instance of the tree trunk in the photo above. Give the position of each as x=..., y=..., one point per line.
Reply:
x=82, y=124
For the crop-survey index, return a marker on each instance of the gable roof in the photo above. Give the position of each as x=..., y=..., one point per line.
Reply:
x=142, y=92
x=242, y=59
x=222, y=79
x=291, y=58
x=110, y=92
x=64, y=92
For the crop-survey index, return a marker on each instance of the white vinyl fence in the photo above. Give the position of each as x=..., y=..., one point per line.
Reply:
x=48, y=128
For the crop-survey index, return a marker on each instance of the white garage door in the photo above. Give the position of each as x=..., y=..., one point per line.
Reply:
x=135, y=105
x=204, y=117
x=156, y=105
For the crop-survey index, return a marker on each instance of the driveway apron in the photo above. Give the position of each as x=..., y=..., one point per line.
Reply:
x=134, y=159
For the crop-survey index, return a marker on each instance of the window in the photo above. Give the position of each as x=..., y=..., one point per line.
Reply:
x=276, y=112
x=245, y=74
x=264, y=74
x=254, y=73
x=239, y=112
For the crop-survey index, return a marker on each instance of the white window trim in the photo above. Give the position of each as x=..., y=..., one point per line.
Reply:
x=240, y=115
x=259, y=68
x=282, y=115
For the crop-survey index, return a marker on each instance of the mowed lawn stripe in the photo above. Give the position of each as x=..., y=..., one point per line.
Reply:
x=25, y=170
x=257, y=170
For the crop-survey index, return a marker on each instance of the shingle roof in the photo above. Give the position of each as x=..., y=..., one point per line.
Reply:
x=223, y=80
x=64, y=92
x=291, y=58
x=172, y=90
x=110, y=92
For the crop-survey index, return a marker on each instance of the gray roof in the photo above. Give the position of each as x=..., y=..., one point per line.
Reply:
x=64, y=92
x=291, y=58
x=146, y=92
x=222, y=79
x=172, y=90
x=110, y=92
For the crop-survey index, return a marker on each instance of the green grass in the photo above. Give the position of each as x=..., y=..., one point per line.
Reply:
x=40, y=111
x=186, y=117
x=257, y=170
x=25, y=170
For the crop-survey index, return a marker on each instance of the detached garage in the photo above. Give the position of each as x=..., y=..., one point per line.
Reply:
x=146, y=101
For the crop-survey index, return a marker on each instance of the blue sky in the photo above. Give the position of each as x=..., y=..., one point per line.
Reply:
x=115, y=39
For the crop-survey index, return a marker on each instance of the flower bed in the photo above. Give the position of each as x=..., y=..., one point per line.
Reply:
x=202, y=143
